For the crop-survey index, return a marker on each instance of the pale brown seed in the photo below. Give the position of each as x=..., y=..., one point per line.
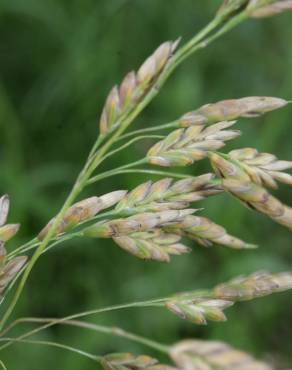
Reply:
x=10, y=270
x=4, y=209
x=209, y=355
x=8, y=231
x=270, y=10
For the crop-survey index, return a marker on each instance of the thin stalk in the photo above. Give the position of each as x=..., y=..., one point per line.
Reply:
x=150, y=303
x=54, y=344
x=165, y=126
x=2, y=365
x=153, y=303
x=106, y=174
x=150, y=172
x=113, y=331
x=126, y=145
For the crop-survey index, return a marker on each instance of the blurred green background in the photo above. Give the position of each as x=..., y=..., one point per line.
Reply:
x=58, y=60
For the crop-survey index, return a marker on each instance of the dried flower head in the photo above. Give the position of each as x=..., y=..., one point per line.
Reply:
x=199, y=311
x=259, y=284
x=84, y=210
x=166, y=194
x=134, y=87
x=263, y=168
x=238, y=182
x=206, y=233
x=185, y=146
x=128, y=361
x=228, y=110
x=152, y=245
x=211, y=355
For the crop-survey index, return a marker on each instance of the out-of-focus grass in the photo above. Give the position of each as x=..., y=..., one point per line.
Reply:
x=58, y=59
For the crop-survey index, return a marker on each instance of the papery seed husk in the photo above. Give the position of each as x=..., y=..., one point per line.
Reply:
x=8, y=231
x=4, y=209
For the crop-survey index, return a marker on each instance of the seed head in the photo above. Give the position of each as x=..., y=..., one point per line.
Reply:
x=83, y=211
x=199, y=311
x=153, y=245
x=209, y=355
x=263, y=168
x=185, y=146
x=238, y=182
x=228, y=110
x=207, y=233
x=134, y=87
x=257, y=285
x=166, y=195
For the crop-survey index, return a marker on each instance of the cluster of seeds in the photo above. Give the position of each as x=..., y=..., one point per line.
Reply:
x=200, y=306
x=238, y=180
x=134, y=87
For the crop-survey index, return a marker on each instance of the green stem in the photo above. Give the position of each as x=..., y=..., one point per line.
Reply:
x=2, y=365
x=150, y=129
x=54, y=344
x=153, y=303
x=114, y=331
x=106, y=174
x=150, y=172
x=126, y=145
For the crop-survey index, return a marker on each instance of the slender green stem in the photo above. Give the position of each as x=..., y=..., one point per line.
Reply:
x=165, y=126
x=2, y=365
x=114, y=331
x=106, y=174
x=153, y=303
x=54, y=344
x=150, y=172
x=126, y=145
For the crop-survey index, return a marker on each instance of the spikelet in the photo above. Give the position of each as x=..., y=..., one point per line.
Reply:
x=128, y=361
x=263, y=168
x=257, y=285
x=6, y=231
x=134, y=87
x=237, y=182
x=228, y=110
x=211, y=355
x=206, y=233
x=9, y=270
x=268, y=8
x=137, y=223
x=165, y=195
x=185, y=146
x=199, y=311
x=152, y=245
x=82, y=211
